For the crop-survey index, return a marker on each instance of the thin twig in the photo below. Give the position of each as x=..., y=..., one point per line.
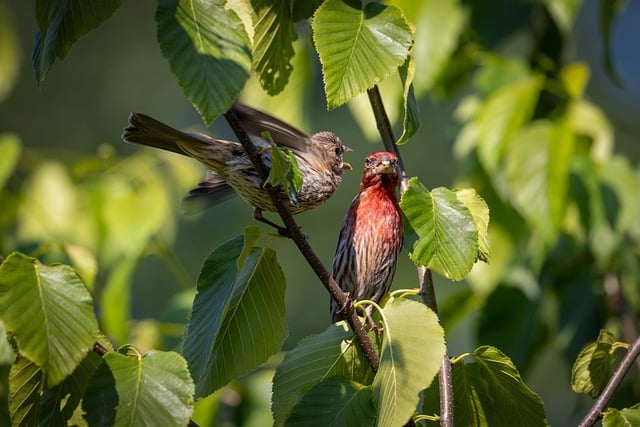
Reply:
x=595, y=413
x=293, y=231
x=427, y=290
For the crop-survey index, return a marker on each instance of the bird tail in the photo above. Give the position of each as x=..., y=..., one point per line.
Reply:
x=148, y=131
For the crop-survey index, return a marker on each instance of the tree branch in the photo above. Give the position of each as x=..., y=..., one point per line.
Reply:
x=595, y=413
x=293, y=231
x=427, y=290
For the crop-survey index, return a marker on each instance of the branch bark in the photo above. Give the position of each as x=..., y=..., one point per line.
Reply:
x=293, y=232
x=427, y=290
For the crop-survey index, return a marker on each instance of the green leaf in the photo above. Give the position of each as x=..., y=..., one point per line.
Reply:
x=334, y=402
x=273, y=43
x=480, y=212
x=49, y=206
x=627, y=417
x=537, y=161
x=411, y=122
x=412, y=352
x=589, y=120
x=61, y=24
x=58, y=404
x=129, y=389
x=115, y=300
x=592, y=368
x=574, y=78
x=284, y=171
x=313, y=359
x=10, y=53
x=238, y=315
x=10, y=147
x=358, y=48
x=135, y=207
x=524, y=335
x=491, y=392
x=208, y=51
x=50, y=313
x=438, y=25
x=503, y=114
x=83, y=261
x=563, y=12
x=609, y=11
x=447, y=238
x=26, y=382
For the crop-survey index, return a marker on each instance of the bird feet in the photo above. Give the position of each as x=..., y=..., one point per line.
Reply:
x=257, y=215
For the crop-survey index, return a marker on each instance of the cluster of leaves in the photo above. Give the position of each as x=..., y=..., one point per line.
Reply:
x=546, y=169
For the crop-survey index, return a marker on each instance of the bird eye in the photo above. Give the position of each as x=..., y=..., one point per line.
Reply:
x=368, y=161
x=339, y=151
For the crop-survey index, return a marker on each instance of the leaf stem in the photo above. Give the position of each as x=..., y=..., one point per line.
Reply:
x=293, y=232
x=595, y=413
x=427, y=290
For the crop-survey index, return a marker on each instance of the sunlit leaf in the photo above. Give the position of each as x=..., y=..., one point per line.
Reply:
x=334, y=402
x=83, y=261
x=574, y=78
x=503, y=114
x=273, y=43
x=590, y=121
x=411, y=355
x=208, y=51
x=538, y=159
x=10, y=55
x=116, y=300
x=358, y=48
x=593, y=366
x=50, y=313
x=130, y=389
x=284, y=171
x=563, y=12
x=238, y=315
x=10, y=148
x=61, y=24
x=627, y=417
x=438, y=27
x=480, y=212
x=447, y=238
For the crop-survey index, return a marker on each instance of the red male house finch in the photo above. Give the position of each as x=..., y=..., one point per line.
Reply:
x=319, y=158
x=371, y=235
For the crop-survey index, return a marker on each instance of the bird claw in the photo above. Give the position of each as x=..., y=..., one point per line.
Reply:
x=257, y=215
x=378, y=329
x=347, y=302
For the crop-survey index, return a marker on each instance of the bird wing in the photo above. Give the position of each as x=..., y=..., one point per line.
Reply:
x=209, y=192
x=255, y=122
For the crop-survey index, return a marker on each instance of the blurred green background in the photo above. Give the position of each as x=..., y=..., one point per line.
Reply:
x=82, y=106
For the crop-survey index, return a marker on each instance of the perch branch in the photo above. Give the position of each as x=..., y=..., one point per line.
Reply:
x=293, y=232
x=427, y=290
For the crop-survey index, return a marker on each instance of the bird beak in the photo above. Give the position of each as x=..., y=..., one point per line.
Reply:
x=384, y=167
x=346, y=166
